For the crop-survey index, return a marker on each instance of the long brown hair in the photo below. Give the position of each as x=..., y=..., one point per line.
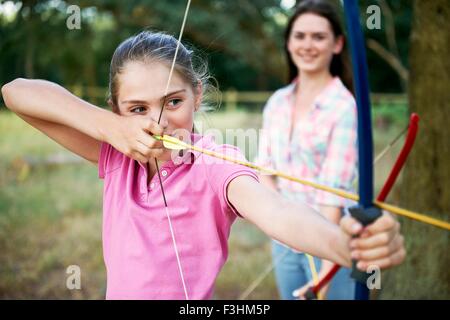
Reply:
x=340, y=64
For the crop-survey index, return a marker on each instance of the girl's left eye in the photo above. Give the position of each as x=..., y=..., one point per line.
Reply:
x=174, y=102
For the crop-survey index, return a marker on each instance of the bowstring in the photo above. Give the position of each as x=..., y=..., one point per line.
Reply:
x=172, y=233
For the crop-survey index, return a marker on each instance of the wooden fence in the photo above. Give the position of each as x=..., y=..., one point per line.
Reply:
x=232, y=99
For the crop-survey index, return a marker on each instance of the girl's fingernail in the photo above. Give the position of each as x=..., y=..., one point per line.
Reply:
x=354, y=254
x=360, y=266
x=356, y=227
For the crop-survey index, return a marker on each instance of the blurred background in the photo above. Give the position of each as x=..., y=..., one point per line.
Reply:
x=50, y=201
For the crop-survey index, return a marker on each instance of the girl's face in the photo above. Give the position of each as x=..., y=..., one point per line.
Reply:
x=311, y=43
x=141, y=88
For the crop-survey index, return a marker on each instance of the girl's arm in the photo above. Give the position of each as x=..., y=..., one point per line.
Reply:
x=268, y=181
x=302, y=228
x=333, y=214
x=296, y=225
x=77, y=125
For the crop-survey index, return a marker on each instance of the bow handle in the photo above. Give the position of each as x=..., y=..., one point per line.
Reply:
x=365, y=216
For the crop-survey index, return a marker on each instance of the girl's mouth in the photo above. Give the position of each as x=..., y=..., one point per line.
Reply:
x=308, y=58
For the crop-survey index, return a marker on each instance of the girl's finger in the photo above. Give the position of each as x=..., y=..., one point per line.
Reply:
x=139, y=157
x=151, y=126
x=148, y=152
x=393, y=260
x=379, y=252
x=373, y=241
x=300, y=293
x=149, y=141
x=384, y=223
x=350, y=225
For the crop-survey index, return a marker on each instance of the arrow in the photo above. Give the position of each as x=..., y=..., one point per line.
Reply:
x=172, y=142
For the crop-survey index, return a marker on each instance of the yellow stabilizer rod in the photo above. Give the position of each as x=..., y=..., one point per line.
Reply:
x=175, y=144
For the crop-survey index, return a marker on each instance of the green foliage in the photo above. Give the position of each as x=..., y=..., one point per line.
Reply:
x=390, y=114
x=243, y=40
x=382, y=77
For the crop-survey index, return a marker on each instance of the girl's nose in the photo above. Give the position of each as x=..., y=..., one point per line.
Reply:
x=154, y=115
x=307, y=43
x=164, y=122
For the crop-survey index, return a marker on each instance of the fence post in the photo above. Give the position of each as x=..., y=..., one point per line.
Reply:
x=231, y=99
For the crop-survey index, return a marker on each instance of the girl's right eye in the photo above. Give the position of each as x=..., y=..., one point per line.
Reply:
x=138, y=109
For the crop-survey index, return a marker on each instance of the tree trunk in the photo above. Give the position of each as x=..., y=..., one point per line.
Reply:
x=426, y=182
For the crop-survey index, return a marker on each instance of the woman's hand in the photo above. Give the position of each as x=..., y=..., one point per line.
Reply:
x=133, y=137
x=300, y=292
x=379, y=244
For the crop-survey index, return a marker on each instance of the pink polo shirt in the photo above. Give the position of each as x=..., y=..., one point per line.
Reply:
x=137, y=246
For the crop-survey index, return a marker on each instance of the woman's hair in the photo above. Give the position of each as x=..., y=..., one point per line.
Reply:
x=148, y=46
x=340, y=65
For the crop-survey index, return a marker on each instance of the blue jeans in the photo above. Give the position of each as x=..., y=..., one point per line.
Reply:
x=292, y=272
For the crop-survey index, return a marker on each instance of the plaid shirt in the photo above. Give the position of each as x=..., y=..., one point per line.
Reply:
x=323, y=147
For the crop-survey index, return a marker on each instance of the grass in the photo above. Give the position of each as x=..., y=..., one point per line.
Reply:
x=50, y=218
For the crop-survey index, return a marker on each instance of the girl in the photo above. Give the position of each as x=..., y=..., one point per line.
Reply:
x=153, y=252
x=314, y=122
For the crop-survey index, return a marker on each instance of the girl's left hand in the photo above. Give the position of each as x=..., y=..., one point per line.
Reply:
x=380, y=243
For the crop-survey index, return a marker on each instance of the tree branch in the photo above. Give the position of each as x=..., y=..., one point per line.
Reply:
x=390, y=58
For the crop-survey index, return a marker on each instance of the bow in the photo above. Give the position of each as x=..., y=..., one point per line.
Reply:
x=313, y=291
x=365, y=212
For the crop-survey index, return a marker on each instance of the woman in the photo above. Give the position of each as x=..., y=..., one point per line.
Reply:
x=309, y=130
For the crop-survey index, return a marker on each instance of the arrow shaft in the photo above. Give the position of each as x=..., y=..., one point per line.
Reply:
x=342, y=193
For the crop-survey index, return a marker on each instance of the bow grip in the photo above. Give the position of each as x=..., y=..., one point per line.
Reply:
x=365, y=216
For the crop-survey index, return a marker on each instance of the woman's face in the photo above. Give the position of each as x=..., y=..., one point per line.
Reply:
x=141, y=88
x=311, y=43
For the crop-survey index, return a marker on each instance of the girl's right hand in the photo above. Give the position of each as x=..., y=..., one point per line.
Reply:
x=132, y=136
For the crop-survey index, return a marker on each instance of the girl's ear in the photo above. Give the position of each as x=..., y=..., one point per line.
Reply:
x=110, y=103
x=338, y=45
x=198, y=96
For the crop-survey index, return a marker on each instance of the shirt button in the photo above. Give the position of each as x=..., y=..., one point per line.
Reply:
x=152, y=185
x=164, y=173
